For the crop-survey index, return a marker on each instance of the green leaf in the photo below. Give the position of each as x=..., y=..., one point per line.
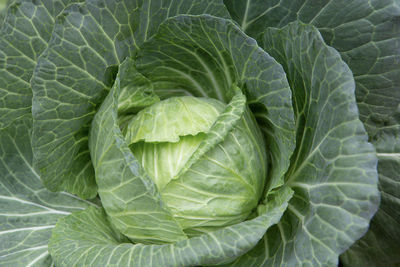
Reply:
x=28, y=211
x=381, y=246
x=128, y=195
x=85, y=238
x=333, y=170
x=136, y=91
x=368, y=39
x=227, y=119
x=207, y=56
x=23, y=37
x=78, y=69
x=172, y=118
x=71, y=78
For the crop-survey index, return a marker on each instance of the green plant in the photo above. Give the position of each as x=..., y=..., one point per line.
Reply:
x=186, y=133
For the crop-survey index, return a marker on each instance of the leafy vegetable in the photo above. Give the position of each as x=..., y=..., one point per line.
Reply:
x=160, y=133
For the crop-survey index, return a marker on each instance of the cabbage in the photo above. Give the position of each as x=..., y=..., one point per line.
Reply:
x=197, y=133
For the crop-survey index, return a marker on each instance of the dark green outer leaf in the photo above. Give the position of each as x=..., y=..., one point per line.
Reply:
x=23, y=37
x=78, y=69
x=333, y=170
x=367, y=34
x=381, y=245
x=28, y=212
x=71, y=77
x=85, y=239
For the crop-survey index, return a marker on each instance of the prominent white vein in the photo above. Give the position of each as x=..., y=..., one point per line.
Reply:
x=34, y=204
x=35, y=228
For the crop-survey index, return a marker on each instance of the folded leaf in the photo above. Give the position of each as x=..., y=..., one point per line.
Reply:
x=127, y=193
x=333, y=170
x=85, y=238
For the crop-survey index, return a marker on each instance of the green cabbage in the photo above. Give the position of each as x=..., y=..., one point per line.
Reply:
x=204, y=190
x=197, y=133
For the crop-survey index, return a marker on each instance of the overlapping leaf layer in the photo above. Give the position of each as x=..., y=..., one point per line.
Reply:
x=321, y=83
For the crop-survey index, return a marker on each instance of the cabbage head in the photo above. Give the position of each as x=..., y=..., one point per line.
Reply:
x=205, y=187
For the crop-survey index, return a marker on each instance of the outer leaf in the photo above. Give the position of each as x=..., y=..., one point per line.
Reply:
x=128, y=195
x=366, y=33
x=207, y=56
x=155, y=12
x=381, y=245
x=368, y=39
x=333, y=171
x=135, y=94
x=70, y=79
x=78, y=69
x=28, y=211
x=85, y=239
x=23, y=37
